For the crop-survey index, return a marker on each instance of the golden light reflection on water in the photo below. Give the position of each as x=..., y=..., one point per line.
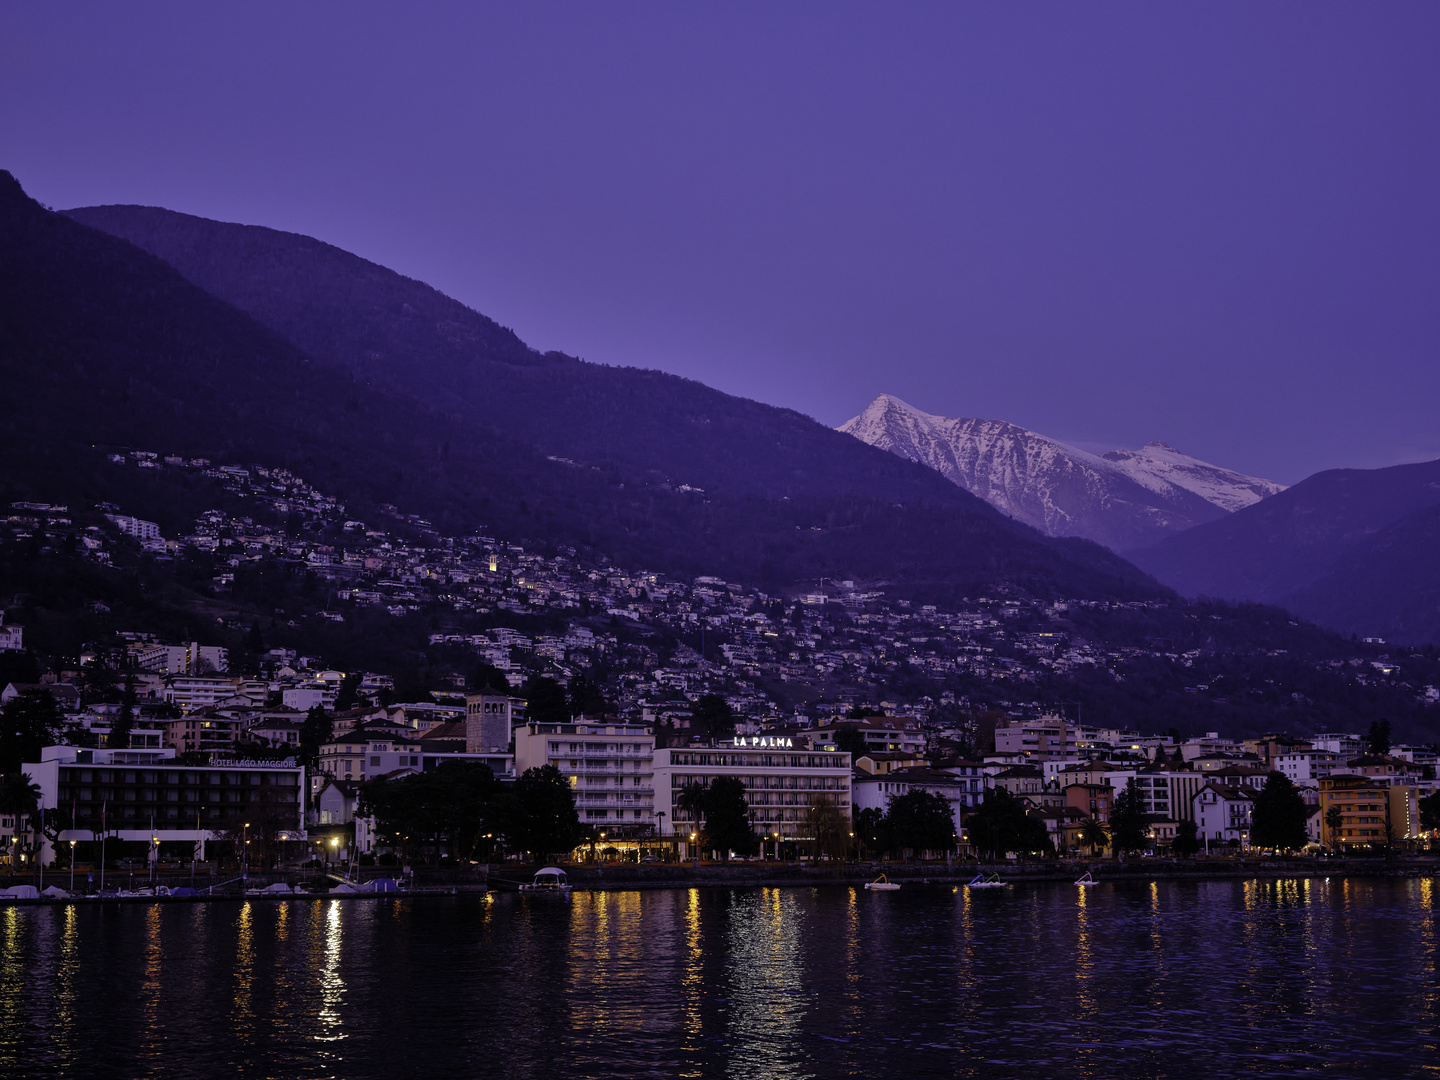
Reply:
x=66, y=976
x=608, y=961
x=1086, y=1000
x=12, y=985
x=1430, y=982
x=245, y=967
x=329, y=1022
x=692, y=979
x=764, y=977
x=153, y=1024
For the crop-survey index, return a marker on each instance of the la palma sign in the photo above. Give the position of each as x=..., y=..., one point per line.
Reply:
x=775, y=741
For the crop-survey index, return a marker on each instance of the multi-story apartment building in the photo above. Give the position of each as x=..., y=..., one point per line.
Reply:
x=190, y=733
x=1306, y=767
x=1042, y=739
x=881, y=733
x=360, y=754
x=197, y=691
x=1274, y=744
x=1223, y=813
x=874, y=792
x=611, y=768
x=149, y=797
x=1092, y=800
x=781, y=781
x=1372, y=810
x=189, y=659
x=1346, y=744
x=1209, y=746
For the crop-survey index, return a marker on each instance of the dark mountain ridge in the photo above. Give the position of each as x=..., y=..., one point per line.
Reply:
x=1353, y=549
x=392, y=331
x=104, y=343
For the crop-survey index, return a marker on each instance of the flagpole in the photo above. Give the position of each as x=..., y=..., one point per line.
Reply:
x=104, y=805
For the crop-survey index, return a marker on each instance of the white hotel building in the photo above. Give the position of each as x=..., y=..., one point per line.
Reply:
x=780, y=778
x=609, y=766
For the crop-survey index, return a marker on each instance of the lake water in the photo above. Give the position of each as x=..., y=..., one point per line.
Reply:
x=1173, y=979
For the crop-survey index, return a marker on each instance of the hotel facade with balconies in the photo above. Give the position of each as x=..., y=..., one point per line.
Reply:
x=610, y=768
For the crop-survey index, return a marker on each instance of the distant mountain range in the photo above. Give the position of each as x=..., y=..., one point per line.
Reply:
x=1123, y=499
x=140, y=327
x=1356, y=550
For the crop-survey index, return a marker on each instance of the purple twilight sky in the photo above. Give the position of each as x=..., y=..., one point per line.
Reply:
x=1213, y=224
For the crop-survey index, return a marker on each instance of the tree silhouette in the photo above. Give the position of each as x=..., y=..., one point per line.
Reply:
x=1278, y=817
x=1127, y=820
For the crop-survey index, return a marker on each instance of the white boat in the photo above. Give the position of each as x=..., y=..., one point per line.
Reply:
x=1086, y=879
x=548, y=879
x=980, y=881
x=882, y=884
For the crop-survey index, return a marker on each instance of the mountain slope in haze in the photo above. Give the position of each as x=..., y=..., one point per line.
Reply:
x=93, y=322
x=1124, y=499
x=399, y=333
x=105, y=345
x=1349, y=548
x=1386, y=585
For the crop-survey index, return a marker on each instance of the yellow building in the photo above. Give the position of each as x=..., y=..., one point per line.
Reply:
x=1372, y=811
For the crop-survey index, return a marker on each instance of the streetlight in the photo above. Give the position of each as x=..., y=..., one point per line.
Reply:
x=72, y=866
x=245, y=851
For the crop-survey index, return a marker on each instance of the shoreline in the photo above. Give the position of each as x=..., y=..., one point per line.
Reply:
x=627, y=878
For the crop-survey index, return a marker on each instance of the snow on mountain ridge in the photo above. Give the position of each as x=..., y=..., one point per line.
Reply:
x=1123, y=499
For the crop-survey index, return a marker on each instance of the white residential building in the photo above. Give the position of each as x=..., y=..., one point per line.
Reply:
x=875, y=792
x=1223, y=813
x=1305, y=767
x=192, y=692
x=190, y=659
x=611, y=768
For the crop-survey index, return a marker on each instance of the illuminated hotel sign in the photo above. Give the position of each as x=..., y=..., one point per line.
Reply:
x=764, y=740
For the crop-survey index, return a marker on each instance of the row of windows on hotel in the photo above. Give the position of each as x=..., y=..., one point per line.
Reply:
x=761, y=783
x=764, y=761
x=173, y=776
x=641, y=749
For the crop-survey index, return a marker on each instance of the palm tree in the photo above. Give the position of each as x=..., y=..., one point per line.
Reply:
x=19, y=799
x=691, y=800
x=1334, y=819
x=1093, y=835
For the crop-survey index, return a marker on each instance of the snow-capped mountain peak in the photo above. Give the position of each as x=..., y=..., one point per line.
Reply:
x=1125, y=498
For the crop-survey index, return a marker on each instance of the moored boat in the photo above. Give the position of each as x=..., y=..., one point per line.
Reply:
x=1086, y=879
x=980, y=881
x=548, y=879
x=882, y=884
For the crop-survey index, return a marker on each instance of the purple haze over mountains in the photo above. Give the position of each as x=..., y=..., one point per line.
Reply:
x=1209, y=224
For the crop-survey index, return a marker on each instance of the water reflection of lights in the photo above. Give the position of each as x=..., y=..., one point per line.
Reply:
x=764, y=974
x=12, y=984
x=244, y=965
x=610, y=958
x=692, y=979
x=1086, y=1000
x=153, y=1026
x=332, y=985
x=1431, y=995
